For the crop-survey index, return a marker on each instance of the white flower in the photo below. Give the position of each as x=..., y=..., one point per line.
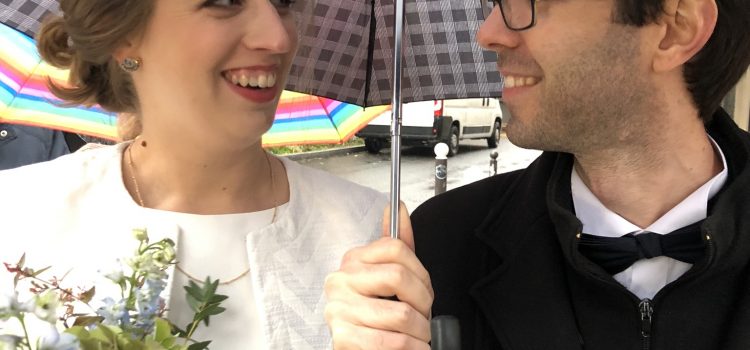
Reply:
x=140, y=234
x=46, y=305
x=53, y=340
x=11, y=307
x=116, y=276
x=9, y=342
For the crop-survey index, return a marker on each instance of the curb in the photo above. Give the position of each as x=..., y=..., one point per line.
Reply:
x=326, y=153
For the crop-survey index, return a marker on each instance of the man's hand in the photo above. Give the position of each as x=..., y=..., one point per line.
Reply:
x=361, y=312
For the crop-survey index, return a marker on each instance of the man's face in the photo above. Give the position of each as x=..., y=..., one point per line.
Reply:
x=576, y=81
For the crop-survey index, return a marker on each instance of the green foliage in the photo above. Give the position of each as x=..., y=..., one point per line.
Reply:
x=292, y=149
x=205, y=303
x=133, y=323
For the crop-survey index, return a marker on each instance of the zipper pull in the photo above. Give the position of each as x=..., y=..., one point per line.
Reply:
x=647, y=310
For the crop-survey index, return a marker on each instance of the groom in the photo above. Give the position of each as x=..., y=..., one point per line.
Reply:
x=631, y=231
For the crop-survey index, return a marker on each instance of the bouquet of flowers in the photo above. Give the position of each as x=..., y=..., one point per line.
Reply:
x=134, y=322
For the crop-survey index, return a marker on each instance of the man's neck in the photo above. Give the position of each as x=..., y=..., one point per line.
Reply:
x=641, y=182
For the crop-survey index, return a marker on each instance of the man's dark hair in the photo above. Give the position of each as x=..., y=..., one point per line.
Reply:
x=716, y=68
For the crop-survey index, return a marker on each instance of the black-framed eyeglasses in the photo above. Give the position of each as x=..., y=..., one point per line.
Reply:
x=518, y=15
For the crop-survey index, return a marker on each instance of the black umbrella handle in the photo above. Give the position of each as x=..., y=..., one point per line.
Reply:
x=446, y=333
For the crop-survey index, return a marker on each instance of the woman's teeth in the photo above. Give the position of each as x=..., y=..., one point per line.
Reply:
x=257, y=80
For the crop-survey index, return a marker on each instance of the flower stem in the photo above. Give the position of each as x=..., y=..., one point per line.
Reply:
x=25, y=332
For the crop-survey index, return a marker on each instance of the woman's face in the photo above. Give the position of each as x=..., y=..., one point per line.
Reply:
x=213, y=70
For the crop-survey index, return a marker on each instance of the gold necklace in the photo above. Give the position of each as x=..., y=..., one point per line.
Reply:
x=133, y=179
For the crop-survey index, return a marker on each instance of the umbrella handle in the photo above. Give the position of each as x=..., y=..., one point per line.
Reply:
x=446, y=333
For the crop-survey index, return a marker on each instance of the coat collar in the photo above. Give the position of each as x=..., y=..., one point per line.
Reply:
x=532, y=231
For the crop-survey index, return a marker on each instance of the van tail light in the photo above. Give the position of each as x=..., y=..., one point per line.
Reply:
x=438, y=108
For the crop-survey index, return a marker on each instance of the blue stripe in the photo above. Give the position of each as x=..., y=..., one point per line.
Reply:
x=302, y=119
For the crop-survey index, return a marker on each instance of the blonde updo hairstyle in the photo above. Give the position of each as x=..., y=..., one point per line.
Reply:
x=84, y=39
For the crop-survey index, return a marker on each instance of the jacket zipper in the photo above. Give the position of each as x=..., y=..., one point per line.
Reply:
x=646, y=309
x=646, y=306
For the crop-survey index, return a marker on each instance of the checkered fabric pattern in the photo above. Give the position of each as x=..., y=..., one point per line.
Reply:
x=26, y=15
x=442, y=59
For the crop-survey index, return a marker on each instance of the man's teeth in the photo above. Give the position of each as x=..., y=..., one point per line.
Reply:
x=262, y=80
x=514, y=81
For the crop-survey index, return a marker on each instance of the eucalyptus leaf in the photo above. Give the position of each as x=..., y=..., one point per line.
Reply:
x=21, y=261
x=218, y=298
x=104, y=334
x=84, y=321
x=88, y=295
x=163, y=332
x=193, y=290
x=199, y=346
x=37, y=273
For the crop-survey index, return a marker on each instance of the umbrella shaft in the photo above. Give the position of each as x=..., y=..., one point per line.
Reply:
x=398, y=35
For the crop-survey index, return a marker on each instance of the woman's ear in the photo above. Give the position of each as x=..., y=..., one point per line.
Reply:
x=685, y=27
x=126, y=50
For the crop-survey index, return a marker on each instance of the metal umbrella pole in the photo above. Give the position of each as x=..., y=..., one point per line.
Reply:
x=398, y=36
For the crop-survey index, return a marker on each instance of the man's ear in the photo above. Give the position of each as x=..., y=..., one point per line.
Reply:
x=686, y=26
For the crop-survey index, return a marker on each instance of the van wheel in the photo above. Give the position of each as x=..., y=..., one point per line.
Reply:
x=453, y=141
x=373, y=145
x=494, y=139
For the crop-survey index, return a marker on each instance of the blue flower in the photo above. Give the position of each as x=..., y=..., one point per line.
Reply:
x=115, y=313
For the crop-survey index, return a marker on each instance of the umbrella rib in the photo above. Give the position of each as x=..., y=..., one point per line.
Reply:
x=370, y=53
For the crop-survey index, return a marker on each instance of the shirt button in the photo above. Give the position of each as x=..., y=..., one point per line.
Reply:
x=3, y=134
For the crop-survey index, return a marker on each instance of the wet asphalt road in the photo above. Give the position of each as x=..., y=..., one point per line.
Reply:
x=418, y=167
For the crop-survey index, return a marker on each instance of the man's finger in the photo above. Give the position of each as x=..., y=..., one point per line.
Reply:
x=381, y=314
x=347, y=336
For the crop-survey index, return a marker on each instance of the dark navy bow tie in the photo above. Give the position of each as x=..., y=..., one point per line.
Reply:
x=616, y=254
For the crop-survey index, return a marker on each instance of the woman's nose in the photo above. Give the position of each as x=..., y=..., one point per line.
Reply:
x=269, y=31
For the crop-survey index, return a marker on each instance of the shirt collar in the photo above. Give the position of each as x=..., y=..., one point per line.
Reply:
x=600, y=221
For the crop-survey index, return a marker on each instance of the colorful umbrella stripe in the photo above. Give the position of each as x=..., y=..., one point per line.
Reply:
x=25, y=99
x=307, y=119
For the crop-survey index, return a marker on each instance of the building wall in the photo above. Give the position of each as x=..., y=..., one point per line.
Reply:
x=741, y=113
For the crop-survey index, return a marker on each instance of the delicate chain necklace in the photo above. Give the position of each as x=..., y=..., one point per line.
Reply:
x=138, y=196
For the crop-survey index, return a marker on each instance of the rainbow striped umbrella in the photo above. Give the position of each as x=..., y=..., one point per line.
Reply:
x=308, y=119
x=25, y=99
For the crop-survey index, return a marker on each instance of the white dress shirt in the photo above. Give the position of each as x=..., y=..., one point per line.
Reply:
x=646, y=277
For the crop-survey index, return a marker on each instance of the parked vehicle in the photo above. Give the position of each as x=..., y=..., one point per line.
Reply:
x=430, y=122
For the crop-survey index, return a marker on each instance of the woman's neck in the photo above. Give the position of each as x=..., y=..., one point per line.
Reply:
x=202, y=180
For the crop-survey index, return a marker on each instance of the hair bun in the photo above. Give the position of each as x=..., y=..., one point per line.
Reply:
x=53, y=43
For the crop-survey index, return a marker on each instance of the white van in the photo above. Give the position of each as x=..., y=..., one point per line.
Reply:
x=429, y=122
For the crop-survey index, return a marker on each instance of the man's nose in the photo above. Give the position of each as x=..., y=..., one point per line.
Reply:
x=494, y=33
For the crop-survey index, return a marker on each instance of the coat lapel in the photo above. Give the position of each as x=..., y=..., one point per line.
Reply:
x=525, y=298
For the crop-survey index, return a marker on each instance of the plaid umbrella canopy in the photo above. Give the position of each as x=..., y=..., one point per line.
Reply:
x=346, y=52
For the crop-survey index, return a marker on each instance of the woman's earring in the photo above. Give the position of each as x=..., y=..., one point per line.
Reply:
x=130, y=64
